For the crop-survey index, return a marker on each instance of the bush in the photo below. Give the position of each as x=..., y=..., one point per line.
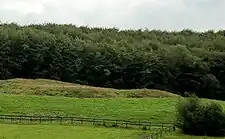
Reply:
x=144, y=128
x=114, y=125
x=196, y=118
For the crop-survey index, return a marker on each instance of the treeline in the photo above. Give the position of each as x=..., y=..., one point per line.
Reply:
x=179, y=62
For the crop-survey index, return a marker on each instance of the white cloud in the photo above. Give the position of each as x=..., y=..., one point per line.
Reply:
x=23, y=6
x=153, y=14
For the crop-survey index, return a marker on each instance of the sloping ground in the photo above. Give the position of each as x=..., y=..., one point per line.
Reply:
x=66, y=132
x=57, y=88
x=150, y=109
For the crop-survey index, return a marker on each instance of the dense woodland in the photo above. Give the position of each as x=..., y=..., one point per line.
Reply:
x=179, y=62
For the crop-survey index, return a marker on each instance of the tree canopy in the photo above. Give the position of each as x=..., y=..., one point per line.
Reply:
x=184, y=61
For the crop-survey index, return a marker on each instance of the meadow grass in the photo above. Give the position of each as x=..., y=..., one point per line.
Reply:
x=179, y=135
x=160, y=109
x=151, y=109
x=54, y=98
x=10, y=131
x=57, y=88
x=154, y=109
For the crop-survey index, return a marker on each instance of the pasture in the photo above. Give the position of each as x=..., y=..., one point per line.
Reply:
x=66, y=132
x=20, y=98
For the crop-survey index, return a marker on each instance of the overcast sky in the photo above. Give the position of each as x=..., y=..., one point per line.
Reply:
x=125, y=14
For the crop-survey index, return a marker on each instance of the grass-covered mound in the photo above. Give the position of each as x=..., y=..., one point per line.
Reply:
x=57, y=88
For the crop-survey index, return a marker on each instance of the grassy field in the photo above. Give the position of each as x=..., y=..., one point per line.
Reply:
x=53, y=98
x=57, y=88
x=66, y=132
x=154, y=109
x=178, y=135
x=151, y=109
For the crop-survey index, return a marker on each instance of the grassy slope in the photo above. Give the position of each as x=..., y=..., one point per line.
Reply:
x=65, y=132
x=57, y=88
x=118, y=106
x=154, y=109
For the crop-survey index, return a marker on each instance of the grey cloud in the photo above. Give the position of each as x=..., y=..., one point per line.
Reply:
x=153, y=14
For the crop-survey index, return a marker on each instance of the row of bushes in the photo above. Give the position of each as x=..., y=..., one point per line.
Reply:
x=178, y=62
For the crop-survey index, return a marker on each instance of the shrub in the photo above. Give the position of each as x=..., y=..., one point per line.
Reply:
x=144, y=128
x=114, y=125
x=196, y=118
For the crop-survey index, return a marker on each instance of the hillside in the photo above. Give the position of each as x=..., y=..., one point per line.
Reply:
x=58, y=88
x=43, y=97
x=153, y=109
x=177, y=62
x=19, y=96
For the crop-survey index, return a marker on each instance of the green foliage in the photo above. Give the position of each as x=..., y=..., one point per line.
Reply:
x=144, y=128
x=173, y=61
x=196, y=118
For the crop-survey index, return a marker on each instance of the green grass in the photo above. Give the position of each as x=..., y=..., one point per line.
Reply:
x=57, y=88
x=54, y=98
x=178, y=135
x=66, y=132
x=154, y=109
